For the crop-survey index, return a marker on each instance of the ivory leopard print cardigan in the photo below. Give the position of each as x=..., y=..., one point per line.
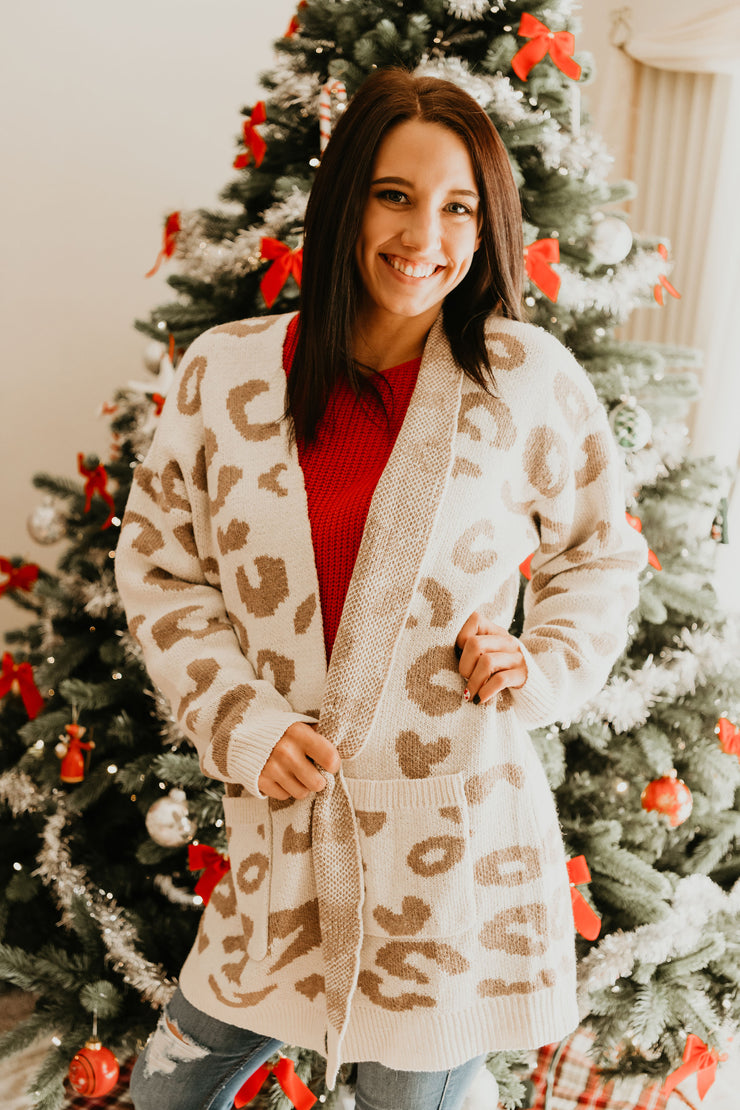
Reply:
x=417, y=910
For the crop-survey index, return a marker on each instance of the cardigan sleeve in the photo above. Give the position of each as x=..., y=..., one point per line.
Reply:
x=167, y=578
x=584, y=581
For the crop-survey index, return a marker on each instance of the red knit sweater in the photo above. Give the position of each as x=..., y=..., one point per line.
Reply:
x=341, y=469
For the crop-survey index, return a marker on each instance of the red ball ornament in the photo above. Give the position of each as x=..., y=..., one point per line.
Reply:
x=668, y=795
x=94, y=1070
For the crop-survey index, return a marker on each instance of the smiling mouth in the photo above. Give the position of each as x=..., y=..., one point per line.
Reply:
x=409, y=269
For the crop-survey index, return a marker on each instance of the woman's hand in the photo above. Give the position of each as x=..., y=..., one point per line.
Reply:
x=490, y=659
x=290, y=771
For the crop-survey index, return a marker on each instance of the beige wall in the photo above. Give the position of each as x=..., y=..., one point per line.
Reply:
x=112, y=116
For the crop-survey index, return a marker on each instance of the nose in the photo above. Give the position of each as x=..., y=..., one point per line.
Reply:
x=422, y=230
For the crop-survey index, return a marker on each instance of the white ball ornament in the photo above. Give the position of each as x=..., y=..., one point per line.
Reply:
x=483, y=1093
x=153, y=355
x=631, y=425
x=168, y=822
x=47, y=523
x=611, y=240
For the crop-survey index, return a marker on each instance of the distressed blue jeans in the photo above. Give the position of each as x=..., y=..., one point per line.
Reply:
x=195, y=1062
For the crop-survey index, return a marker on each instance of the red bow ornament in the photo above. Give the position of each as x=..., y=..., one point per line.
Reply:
x=19, y=578
x=587, y=921
x=295, y=24
x=284, y=1072
x=525, y=568
x=172, y=228
x=284, y=263
x=663, y=280
x=636, y=523
x=729, y=737
x=253, y=141
x=537, y=259
x=698, y=1059
x=17, y=678
x=558, y=44
x=96, y=481
x=201, y=857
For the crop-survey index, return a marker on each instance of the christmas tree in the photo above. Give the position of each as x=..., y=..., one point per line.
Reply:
x=101, y=793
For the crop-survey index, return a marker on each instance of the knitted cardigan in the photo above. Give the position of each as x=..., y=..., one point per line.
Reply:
x=417, y=910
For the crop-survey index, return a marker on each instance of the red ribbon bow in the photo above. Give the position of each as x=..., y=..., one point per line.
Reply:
x=172, y=229
x=96, y=481
x=729, y=737
x=158, y=401
x=286, y=262
x=559, y=45
x=663, y=280
x=537, y=259
x=525, y=568
x=697, y=1058
x=295, y=25
x=201, y=857
x=17, y=678
x=636, y=523
x=253, y=141
x=284, y=1072
x=19, y=578
x=588, y=922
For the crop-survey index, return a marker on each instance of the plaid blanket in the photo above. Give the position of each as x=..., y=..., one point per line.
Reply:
x=118, y=1099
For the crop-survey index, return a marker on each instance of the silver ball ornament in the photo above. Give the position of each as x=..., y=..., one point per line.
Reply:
x=47, y=523
x=168, y=822
x=611, y=240
x=153, y=355
x=631, y=425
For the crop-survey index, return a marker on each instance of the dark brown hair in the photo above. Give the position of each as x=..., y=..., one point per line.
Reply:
x=331, y=285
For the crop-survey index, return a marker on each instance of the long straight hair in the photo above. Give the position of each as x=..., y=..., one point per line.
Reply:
x=331, y=289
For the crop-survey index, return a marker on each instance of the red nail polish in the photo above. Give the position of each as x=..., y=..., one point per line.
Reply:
x=466, y=694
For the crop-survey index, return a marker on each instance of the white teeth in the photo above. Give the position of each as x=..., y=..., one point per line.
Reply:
x=408, y=269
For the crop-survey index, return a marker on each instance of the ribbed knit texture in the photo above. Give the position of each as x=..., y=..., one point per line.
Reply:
x=341, y=468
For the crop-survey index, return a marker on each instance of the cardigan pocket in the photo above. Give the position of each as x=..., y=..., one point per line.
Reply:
x=415, y=847
x=249, y=832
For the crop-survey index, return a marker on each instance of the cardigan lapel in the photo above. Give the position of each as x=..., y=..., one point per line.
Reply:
x=402, y=513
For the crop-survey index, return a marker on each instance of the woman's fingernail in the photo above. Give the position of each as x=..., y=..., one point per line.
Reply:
x=476, y=700
x=466, y=694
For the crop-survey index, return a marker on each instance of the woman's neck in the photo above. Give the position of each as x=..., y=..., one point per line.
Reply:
x=381, y=344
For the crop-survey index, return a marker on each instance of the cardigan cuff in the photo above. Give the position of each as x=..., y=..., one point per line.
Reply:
x=249, y=753
x=535, y=701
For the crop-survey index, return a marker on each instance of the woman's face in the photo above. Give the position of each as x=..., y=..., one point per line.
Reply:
x=420, y=225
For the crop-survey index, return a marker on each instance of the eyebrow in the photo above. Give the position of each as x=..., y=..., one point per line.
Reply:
x=409, y=184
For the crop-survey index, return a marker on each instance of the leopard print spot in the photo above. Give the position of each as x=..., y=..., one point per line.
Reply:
x=149, y=539
x=296, y=843
x=432, y=697
x=135, y=623
x=239, y=1000
x=272, y=591
x=144, y=478
x=203, y=939
x=210, y=446
x=236, y=403
x=232, y=538
x=304, y=921
x=495, y=988
x=304, y=614
x=370, y=822
x=546, y=460
x=174, y=492
x=440, y=600
x=251, y=872
x=470, y=559
x=228, y=476
x=370, y=983
x=417, y=759
x=480, y=786
x=229, y=714
x=572, y=402
x=436, y=855
x=464, y=468
x=223, y=897
x=411, y=920
x=510, y=866
x=394, y=958
x=451, y=813
x=174, y=626
x=158, y=576
x=312, y=986
x=512, y=355
x=242, y=328
x=498, y=426
x=203, y=673
x=281, y=668
x=518, y=930
x=269, y=481
x=596, y=450
x=188, y=395
x=185, y=536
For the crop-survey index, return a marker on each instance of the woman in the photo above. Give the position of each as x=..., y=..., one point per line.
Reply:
x=323, y=595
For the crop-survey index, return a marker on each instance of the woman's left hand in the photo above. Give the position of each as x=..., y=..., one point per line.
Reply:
x=490, y=659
